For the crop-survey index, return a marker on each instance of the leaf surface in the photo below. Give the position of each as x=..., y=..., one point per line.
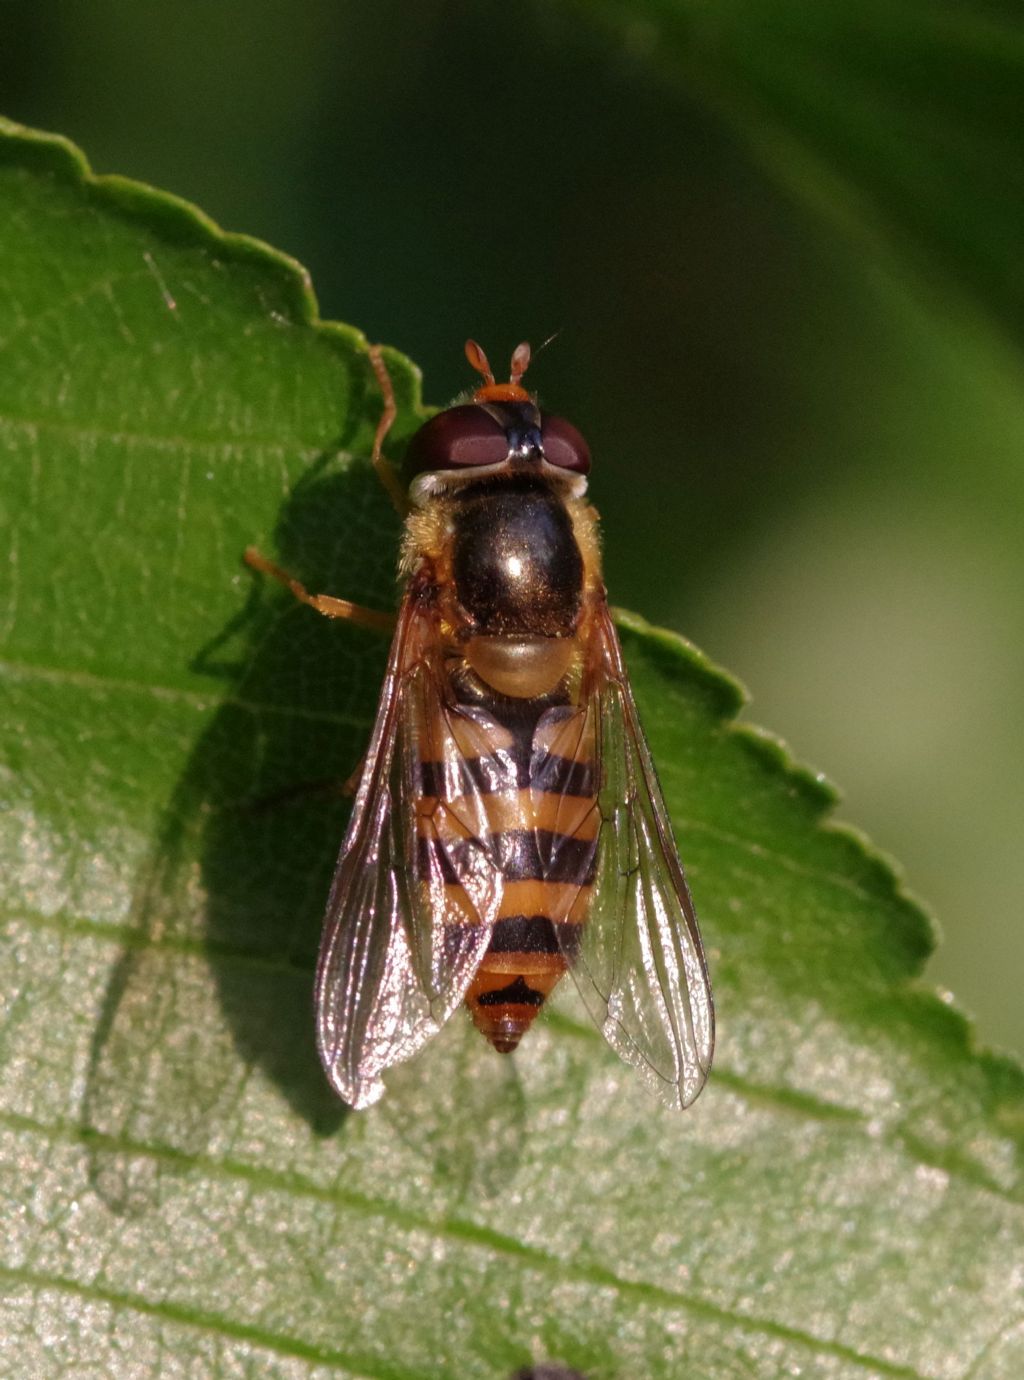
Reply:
x=182, y=1196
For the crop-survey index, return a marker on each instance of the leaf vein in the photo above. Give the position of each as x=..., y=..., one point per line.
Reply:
x=787, y=1101
x=462, y=1231
x=224, y=446
x=195, y=699
x=280, y=1343
x=759, y=851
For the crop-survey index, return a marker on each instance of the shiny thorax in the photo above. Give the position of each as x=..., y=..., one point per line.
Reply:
x=516, y=563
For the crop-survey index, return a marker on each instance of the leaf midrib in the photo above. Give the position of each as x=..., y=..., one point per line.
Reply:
x=779, y=1099
x=217, y=1323
x=449, y=1228
x=193, y=699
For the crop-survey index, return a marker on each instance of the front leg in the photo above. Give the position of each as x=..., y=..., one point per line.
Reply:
x=386, y=472
x=326, y=604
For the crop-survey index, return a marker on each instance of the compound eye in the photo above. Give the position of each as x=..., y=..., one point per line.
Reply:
x=458, y=438
x=564, y=446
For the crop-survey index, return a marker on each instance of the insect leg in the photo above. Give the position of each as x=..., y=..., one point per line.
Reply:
x=350, y=785
x=386, y=472
x=329, y=788
x=326, y=604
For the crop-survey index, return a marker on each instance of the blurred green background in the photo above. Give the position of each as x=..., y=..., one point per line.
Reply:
x=782, y=246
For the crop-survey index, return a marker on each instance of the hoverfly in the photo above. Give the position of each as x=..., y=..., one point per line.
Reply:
x=508, y=826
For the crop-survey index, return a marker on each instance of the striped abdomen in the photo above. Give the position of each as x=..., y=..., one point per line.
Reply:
x=519, y=814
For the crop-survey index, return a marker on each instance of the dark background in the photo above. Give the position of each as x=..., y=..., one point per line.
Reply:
x=781, y=248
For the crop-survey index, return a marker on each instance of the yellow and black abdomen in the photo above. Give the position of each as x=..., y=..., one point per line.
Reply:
x=548, y=868
x=529, y=811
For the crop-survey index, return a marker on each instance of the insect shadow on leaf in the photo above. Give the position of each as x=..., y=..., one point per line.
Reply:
x=216, y=977
x=474, y=1138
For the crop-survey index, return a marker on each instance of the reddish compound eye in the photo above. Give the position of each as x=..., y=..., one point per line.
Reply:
x=458, y=438
x=564, y=446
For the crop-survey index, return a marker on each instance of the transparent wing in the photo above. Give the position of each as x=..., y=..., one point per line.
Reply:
x=639, y=966
x=415, y=892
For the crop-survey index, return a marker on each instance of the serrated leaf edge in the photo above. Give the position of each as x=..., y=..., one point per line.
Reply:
x=1003, y=1072
x=141, y=201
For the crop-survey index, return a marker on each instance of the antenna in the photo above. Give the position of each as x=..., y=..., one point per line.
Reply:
x=477, y=358
x=520, y=362
x=500, y=392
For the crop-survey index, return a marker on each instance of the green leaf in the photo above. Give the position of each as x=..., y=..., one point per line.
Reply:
x=182, y=1195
